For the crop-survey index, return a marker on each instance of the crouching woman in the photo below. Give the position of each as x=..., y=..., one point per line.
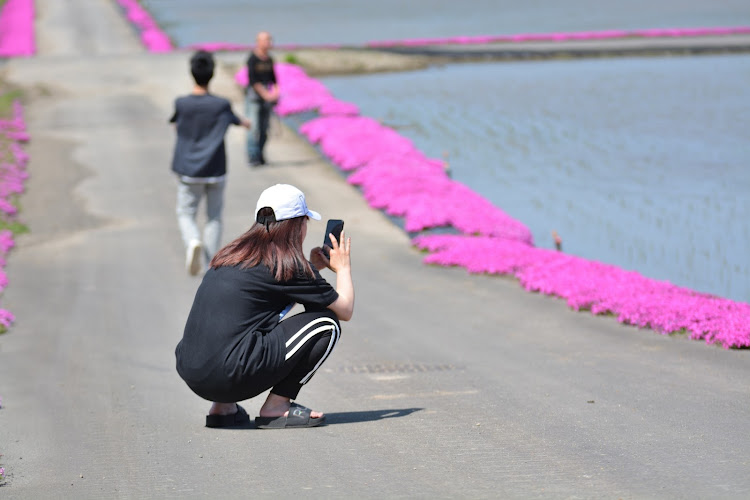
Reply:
x=235, y=345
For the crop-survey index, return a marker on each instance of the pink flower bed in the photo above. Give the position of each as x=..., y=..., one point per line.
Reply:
x=17, y=29
x=13, y=175
x=601, y=288
x=419, y=190
x=152, y=37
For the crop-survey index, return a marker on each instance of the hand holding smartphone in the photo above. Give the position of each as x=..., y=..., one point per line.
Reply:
x=334, y=226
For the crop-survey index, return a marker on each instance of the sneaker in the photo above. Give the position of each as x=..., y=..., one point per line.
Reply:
x=193, y=258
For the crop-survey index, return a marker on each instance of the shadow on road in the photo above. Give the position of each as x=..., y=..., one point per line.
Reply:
x=351, y=417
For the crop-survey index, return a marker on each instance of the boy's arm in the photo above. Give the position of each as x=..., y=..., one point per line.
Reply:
x=236, y=120
x=173, y=118
x=244, y=122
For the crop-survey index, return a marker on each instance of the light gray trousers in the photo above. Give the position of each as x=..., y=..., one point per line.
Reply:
x=188, y=199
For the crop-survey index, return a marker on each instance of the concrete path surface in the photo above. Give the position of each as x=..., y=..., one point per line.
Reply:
x=445, y=385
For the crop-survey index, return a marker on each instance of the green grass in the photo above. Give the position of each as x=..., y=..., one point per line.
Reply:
x=291, y=59
x=6, y=101
x=15, y=227
x=10, y=222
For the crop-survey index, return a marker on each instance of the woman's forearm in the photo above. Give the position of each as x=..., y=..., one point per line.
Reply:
x=343, y=306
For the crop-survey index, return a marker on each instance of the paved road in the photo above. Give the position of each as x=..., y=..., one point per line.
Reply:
x=445, y=385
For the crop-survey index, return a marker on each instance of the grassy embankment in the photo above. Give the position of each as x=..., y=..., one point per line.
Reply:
x=7, y=97
x=4, y=109
x=8, y=221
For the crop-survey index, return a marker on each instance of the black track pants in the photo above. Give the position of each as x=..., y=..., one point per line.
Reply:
x=310, y=339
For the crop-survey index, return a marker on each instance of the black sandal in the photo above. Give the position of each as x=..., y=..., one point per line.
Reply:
x=235, y=419
x=298, y=417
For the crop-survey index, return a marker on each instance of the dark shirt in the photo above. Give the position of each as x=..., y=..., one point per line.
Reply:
x=202, y=121
x=260, y=71
x=233, y=310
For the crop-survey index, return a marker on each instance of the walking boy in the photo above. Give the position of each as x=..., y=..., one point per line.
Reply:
x=261, y=95
x=200, y=161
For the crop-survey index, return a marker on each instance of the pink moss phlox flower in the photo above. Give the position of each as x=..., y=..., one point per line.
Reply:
x=152, y=37
x=6, y=318
x=12, y=125
x=477, y=254
x=17, y=29
x=352, y=141
x=418, y=189
x=13, y=171
x=318, y=129
x=18, y=114
x=16, y=124
x=8, y=188
x=11, y=179
x=156, y=40
x=601, y=288
x=22, y=158
x=6, y=241
x=352, y=148
x=301, y=93
x=471, y=213
x=17, y=136
x=7, y=207
x=335, y=107
x=3, y=280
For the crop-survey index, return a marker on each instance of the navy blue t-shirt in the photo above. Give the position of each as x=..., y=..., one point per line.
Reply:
x=202, y=122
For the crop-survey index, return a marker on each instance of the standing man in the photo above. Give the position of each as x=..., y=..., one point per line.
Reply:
x=200, y=161
x=261, y=95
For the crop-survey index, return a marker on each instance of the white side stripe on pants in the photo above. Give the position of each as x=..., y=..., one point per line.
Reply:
x=327, y=325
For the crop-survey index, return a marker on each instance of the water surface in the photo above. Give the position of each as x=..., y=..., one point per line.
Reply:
x=639, y=162
x=359, y=21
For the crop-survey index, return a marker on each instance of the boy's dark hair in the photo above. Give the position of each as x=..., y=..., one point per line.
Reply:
x=202, y=67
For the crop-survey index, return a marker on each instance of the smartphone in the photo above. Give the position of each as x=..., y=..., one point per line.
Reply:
x=334, y=226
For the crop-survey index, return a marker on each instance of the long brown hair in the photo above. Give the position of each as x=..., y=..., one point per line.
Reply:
x=277, y=245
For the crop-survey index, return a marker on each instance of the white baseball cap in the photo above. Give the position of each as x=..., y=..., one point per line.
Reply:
x=286, y=201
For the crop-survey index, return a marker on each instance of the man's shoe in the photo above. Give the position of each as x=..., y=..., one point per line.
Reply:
x=193, y=257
